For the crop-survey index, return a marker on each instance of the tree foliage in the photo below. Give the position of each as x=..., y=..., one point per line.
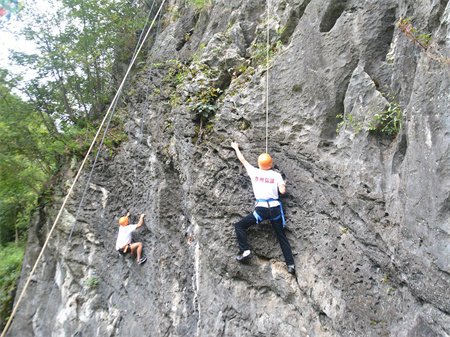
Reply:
x=78, y=43
x=27, y=158
x=54, y=113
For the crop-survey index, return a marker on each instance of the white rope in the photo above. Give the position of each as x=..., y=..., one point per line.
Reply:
x=76, y=178
x=267, y=82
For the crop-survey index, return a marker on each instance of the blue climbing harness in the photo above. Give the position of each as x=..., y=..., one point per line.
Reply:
x=258, y=217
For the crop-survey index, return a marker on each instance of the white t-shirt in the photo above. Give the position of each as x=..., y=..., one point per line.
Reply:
x=124, y=236
x=265, y=185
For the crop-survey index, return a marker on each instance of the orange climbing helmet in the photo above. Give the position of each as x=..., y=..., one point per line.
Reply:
x=265, y=161
x=123, y=221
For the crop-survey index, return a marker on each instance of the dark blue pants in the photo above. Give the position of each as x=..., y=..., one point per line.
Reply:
x=277, y=225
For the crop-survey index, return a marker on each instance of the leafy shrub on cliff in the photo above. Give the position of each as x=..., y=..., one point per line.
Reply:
x=203, y=103
x=387, y=119
x=259, y=53
x=200, y=5
x=422, y=40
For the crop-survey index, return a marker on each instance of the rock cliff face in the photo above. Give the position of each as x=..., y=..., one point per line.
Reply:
x=367, y=212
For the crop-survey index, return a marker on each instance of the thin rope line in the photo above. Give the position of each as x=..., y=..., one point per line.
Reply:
x=76, y=179
x=267, y=82
x=143, y=29
x=142, y=124
x=92, y=170
x=78, y=211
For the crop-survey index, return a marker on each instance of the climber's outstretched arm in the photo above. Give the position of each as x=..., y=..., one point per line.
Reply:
x=239, y=154
x=141, y=220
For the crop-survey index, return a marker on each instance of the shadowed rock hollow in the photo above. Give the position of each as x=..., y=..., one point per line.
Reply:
x=367, y=212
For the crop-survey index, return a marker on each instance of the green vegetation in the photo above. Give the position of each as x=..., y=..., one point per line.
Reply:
x=422, y=40
x=11, y=256
x=177, y=72
x=92, y=283
x=387, y=121
x=259, y=53
x=414, y=35
x=203, y=103
x=375, y=323
x=177, y=11
x=387, y=281
x=54, y=115
x=28, y=159
x=349, y=122
x=77, y=47
x=200, y=5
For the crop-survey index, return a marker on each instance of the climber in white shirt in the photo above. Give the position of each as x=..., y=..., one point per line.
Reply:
x=123, y=242
x=266, y=184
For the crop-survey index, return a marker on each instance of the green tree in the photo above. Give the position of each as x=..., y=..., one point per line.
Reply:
x=78, y=44
x=28, y=156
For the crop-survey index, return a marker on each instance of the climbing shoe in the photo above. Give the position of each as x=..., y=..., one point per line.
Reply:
x=244, y=256
x=142, y=259
x=291, y=270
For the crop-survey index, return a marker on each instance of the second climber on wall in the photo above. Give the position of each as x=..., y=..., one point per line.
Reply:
x=123, y=242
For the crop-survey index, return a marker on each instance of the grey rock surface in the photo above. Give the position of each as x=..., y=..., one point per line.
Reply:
x=367, y=213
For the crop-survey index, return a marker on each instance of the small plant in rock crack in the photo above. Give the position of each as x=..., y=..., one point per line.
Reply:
x=389, y=290
x=177, y=72
x=349, y=121
x=281, y=30
x=413, y=34
x=200, y=5
x=388, y=119
x=259, y=53
x=422, y=40
x=197, y=55
x=92, y=283
x=203, y=104
x=176, y=13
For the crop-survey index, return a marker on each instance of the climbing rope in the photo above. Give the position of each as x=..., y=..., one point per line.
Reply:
x=267, y=77
x=144, y=115
x=76, y=216
x=113, y=104
x=95, y=162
